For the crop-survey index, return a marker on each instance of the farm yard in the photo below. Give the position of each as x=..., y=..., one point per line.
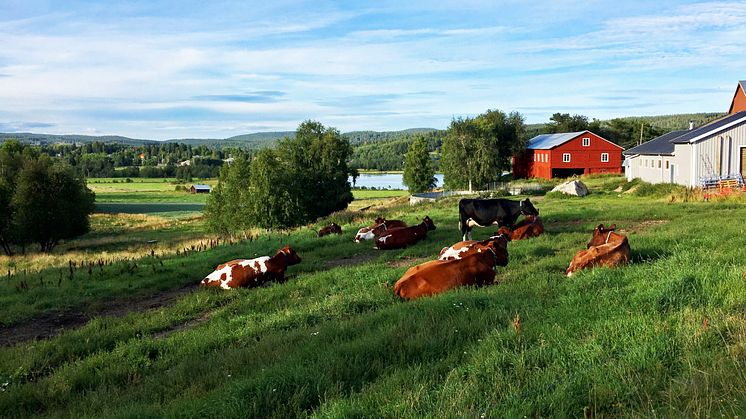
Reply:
x=664, y=336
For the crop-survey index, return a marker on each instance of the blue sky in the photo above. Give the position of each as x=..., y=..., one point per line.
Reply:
x=177, y=69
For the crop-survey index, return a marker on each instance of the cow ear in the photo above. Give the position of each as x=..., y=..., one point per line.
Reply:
x=600, y=227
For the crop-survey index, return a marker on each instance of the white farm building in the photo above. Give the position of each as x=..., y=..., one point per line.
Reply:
x=698, y=156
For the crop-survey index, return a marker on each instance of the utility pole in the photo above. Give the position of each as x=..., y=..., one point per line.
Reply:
x=642, y=129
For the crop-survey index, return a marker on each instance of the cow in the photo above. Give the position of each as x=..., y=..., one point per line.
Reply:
x=332, y=228
x=380, y=226
x=531, y=226
x=465, y=248
x=249, y=273
x=437, y=276
x=603, y=235
x=400, y=238
x=486, y=212
x=606, y=248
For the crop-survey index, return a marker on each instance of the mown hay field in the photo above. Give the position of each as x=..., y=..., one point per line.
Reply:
x=664, y=336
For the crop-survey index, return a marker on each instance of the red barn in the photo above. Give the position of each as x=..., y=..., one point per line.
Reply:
x=566, y=154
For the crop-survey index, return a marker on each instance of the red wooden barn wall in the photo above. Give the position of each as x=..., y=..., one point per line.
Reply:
x=586, y=158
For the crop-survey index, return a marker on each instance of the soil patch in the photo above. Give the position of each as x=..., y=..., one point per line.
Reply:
x=354, y=260
x=53, y=324
x=405, y=262
x=643, y=226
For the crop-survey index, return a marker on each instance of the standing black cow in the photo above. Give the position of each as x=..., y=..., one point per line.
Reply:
x=486, y=212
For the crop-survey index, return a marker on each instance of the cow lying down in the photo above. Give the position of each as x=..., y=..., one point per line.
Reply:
x=531, y=226
x=245, y=273
x=606, y=248
x=434, y=277
x=380, y=226
x=332, y=228
x=400, y=238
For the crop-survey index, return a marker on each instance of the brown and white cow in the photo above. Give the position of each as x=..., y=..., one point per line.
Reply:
x=380, y=226
x=399, y=238
x=606, y=248
x=437, y=276
x=531, y=226
x=332, y=228
x=246, y=273
x=464, y=248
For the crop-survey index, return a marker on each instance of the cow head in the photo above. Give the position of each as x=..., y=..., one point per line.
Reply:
x=601, y=235
x=291, y=257
x=499, y=247
x=365, y=233
x=527, y=208
x=378, y=220
x=429, y=223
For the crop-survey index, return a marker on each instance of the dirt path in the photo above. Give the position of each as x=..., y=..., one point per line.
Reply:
x=53, y=324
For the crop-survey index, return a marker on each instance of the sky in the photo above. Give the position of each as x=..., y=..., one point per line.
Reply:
x=213, y=69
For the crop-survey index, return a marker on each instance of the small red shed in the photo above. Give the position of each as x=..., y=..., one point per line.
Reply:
x=566, y=154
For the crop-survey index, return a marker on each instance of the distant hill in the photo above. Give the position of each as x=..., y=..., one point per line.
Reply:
x=27, y=137
x=678, y=121
x=255, y=140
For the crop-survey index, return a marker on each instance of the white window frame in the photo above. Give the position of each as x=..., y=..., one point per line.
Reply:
x=566, y=158
x=604, y=157
x=586, y=141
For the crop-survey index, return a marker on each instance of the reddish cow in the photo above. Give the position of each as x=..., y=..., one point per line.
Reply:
x=246, y=273
x=400, y=238
x=332, y=228
x=465, y=248
x=606, y=248
x=531, y=226
x=381, y=226
x=438, y=276
x=603, y=235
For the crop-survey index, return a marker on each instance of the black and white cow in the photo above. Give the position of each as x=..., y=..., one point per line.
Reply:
x=486, y=212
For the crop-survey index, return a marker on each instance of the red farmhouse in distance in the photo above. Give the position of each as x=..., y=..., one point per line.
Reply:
x=566, y=154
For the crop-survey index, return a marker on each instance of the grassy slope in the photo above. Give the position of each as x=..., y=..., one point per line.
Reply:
x=334, y=341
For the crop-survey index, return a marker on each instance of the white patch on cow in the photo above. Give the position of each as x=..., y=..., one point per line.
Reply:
x=364, y=235
x=471, y=223
x=383, y=239
x=262, y=261
x=569, y=274
x=451, y=253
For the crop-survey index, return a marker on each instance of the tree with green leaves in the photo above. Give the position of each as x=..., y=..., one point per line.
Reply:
x=563, y=122
x=419, y=175
x=476, y=151
x=302, y=179
x=51, y=202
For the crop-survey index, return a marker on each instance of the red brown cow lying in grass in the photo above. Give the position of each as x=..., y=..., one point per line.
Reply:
x=380, y=226
x=400, y=238
x=465, y=248
x=245, y=273
x=606, y=248
x=437, y=276
x=531, y=226
x=332, y=228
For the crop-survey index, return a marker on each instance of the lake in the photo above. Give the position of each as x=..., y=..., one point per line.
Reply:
x=387, y=180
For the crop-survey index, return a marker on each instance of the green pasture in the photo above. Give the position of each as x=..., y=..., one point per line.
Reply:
x=662, y=337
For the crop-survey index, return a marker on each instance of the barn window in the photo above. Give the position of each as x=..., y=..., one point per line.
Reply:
x=586, y=142
x=604, y=157
x=566, y=157
x=659, y=164
x=667, y=164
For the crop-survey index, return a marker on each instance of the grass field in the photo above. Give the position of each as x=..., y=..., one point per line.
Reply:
x=662, y=337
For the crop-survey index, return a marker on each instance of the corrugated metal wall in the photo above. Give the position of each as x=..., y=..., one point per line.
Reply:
x=720, y=155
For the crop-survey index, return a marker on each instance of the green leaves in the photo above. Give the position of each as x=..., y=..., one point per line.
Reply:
x=43, y=201
x=302, y=179
x=419, y=175
x=476, y=151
